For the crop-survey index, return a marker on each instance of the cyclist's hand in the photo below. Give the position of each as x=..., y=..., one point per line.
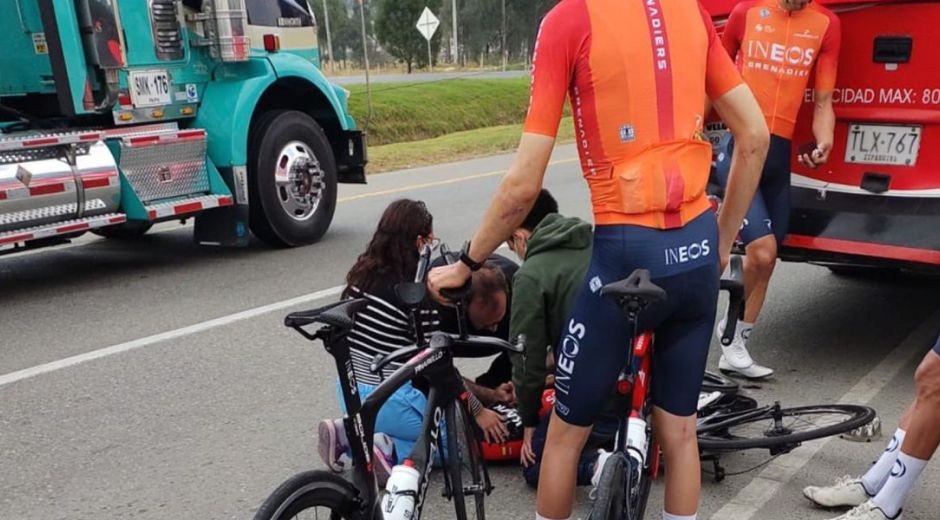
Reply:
x=492, y=425
x=506, y=393
x=452, y=276
x=817, y=157
x=527, y=457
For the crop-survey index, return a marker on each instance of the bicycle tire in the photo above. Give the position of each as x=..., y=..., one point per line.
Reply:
x=465, y=463
x=638, y=511
x=611, y=502
x=311, y=490
x=722, y=432
x=715, y=382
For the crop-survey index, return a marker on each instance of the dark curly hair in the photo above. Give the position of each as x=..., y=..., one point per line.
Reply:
x=391, y=254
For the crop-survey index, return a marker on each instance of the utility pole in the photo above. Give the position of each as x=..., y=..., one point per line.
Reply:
x=455, y=53
x=329, y=36
x=505, y=50
x=365, y=56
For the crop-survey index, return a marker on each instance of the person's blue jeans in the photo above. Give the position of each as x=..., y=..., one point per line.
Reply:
x=400, y=417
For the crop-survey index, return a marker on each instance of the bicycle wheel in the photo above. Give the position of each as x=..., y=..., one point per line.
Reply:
x=465, y=467
x=773, y=427
x=611, y=502
x=314, y=495
x=714, y=382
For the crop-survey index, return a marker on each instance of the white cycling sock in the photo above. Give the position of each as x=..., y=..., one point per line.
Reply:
x=668, y=516
x=540, y=517
x=904, y=475
x=877, y=475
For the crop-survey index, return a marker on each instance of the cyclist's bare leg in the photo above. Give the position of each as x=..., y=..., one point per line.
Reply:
x=558, y=475
x=758, y=269
x=923, y=428
x=677, y=437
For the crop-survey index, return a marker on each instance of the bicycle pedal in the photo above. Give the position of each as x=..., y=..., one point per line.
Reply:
x=866, y=433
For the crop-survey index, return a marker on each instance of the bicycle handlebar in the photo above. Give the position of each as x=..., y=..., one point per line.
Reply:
x=460, y=293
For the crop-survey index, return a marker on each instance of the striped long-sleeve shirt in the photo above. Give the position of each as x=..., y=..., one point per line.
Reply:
x=383, y=327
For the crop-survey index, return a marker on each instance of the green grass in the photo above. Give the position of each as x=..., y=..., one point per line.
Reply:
x=418, y=111
x=454, y=147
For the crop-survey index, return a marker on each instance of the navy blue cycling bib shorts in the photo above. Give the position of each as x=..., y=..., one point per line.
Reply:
x=769, y=213
x=597, y=337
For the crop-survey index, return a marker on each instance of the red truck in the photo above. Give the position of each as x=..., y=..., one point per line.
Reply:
x=877, y=202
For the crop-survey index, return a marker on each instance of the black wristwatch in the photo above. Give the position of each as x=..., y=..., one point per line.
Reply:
x=466, y=260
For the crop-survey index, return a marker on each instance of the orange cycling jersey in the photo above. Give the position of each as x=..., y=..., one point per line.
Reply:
x=636, y=73
x=776, y=50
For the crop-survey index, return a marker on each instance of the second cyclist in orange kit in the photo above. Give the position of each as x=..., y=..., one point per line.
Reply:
x=777, y=44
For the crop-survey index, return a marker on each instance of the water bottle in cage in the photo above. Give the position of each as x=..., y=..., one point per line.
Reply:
x=637, y=441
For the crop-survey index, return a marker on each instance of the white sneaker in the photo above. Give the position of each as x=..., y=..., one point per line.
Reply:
x=848, y=491
x=332, y=444
x=736, y=359
x=383, y=457
x=867, y=511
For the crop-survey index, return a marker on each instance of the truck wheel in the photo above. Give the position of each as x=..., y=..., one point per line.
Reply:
x=292, y=179
x=126, y=231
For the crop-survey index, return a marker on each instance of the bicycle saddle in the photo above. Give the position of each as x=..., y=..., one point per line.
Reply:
x=339, y=315
x=636, y=286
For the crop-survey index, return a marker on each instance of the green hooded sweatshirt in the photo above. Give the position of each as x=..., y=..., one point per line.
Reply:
x=544, y=289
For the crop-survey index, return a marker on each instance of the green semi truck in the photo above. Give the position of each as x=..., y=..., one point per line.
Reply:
x=118, y=114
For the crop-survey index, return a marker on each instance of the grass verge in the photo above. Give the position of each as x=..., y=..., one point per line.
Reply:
x=405, y=112
x=456, y=146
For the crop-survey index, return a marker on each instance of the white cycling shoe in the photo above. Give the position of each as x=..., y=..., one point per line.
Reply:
x=735, y=358
x=847, y=491
x=868, y=511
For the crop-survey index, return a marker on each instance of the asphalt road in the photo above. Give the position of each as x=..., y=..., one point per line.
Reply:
x=154, y=380
x=422, y=77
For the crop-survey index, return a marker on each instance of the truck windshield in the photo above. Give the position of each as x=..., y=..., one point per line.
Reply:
x=279, y=13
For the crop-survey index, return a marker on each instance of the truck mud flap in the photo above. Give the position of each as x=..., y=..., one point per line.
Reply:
x=351, y=157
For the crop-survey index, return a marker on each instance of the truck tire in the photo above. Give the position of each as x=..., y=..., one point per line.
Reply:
x=127, y=231
x=292, y=179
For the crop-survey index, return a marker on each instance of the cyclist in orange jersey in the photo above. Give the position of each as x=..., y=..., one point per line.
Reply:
x=777, y=44
x=636, y=74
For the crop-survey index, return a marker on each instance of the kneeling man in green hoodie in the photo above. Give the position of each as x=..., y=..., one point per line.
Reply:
x=556, y=253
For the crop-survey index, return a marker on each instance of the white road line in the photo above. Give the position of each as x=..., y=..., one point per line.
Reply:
x=746, y=504
x=27, y=373
x=53, y=366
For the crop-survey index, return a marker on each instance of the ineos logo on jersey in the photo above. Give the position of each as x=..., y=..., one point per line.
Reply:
x=570, y=347
x=686, y=254
x=779, y=53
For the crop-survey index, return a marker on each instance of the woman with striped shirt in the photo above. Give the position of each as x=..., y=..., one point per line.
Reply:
x=385, y=325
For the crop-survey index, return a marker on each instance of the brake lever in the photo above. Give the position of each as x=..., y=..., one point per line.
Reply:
x=422, y=272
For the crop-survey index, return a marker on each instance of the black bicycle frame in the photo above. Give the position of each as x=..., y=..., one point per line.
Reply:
x=435, y=363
